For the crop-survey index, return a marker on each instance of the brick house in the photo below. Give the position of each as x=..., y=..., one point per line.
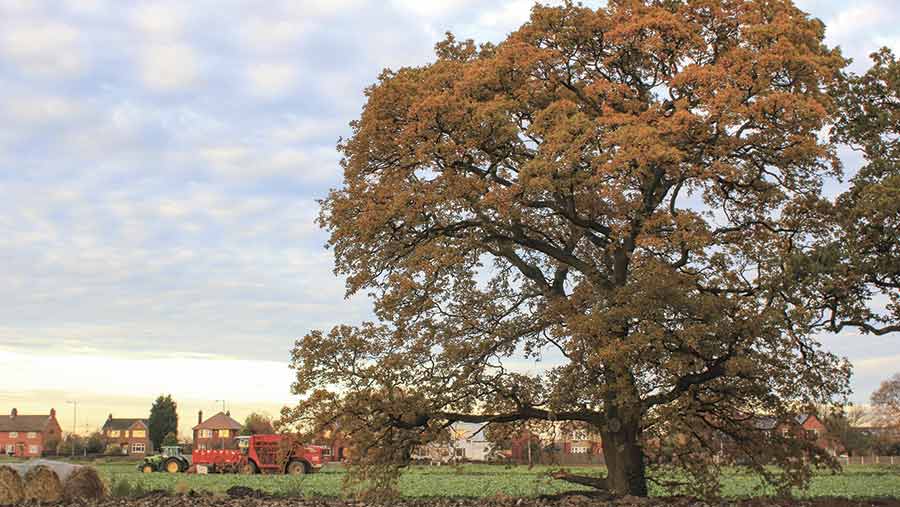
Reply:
x=335, y=444
x=28, y=435
x=581, y=441
x=807, y=426
x=218, y=432
x=132, y=436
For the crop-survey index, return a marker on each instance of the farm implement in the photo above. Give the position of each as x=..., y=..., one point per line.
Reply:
x=268, y=454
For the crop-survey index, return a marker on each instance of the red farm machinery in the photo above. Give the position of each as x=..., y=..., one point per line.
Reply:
x=266, y=454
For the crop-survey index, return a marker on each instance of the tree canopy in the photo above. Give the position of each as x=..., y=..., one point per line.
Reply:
x=629, y=198
x=163, y=419
x=257, y=424
x=886, y=401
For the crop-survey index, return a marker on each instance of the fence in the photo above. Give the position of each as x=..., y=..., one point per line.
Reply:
x=869, y=460
x=562, y=458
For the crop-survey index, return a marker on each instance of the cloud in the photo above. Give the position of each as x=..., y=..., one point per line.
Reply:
x=164, y=20
x=44, y=48
x=272, y=79
x=160, y=182
x=40, y=110
x=272, y=35
x=168, y=67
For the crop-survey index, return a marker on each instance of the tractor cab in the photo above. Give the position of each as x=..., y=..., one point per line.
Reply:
x=171, y=451
x=243, y=443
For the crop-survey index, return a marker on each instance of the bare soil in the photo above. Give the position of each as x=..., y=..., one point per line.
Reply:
x=246, y=497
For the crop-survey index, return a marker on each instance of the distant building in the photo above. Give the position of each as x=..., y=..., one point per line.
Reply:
x=28, y=435
x=807, y=426
x=218, y=432
x=467, y=442
x=470, y=442
x=132, y=436
x=336, y=447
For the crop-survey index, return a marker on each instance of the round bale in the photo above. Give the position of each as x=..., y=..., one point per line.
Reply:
x=84, y=483
x=42, y=485
x=12, y=489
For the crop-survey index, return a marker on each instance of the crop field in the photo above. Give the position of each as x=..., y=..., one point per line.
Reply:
x=483, y=481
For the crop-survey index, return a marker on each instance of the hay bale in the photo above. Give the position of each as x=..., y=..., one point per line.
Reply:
x=83, y=483
x=12, y=488
x=62, y=469
x=42, y=485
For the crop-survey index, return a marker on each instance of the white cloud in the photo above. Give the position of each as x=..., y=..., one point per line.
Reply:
x=267, y=34
x=432, y=8
x=169, y=67
x=40, y=110
x=160, y=19
x=856, y=18
x=17, y=5
x=42, y=47
x=512, y=13
x=87, y=6
x=272, y=79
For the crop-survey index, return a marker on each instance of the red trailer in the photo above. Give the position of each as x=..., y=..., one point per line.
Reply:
x=269, y=454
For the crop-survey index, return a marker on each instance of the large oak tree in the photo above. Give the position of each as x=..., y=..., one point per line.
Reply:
x=633, y=196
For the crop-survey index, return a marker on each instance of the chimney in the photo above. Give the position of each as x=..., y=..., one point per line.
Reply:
x=13, y=414
x=52, y=412
x=109, y=418
x=200, y=417
x=228, y=413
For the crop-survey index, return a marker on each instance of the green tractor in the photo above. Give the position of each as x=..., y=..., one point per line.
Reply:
x=172, y=460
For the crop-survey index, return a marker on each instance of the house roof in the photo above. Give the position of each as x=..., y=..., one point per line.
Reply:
x=122, y=423
x=468, y=431
x=24, y=422
x=220, y=421
x=766, y=422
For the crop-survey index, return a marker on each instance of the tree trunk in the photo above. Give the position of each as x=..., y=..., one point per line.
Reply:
x=624, y=458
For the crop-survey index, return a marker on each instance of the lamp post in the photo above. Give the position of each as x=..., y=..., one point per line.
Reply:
x=221, y=439
x=74, y=421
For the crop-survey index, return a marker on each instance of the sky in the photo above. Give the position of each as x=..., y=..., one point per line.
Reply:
x=159, y=169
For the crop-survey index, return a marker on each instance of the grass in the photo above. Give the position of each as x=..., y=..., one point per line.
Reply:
x=856, y=481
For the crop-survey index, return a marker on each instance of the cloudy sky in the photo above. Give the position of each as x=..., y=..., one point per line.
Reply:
x=159, y=165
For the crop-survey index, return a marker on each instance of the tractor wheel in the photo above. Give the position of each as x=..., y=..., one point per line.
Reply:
x=249, y=468
x=147, y=468
x=296, y=468
x=173, y=466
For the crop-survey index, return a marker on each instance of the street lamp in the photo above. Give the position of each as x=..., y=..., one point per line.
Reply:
x=74, y=420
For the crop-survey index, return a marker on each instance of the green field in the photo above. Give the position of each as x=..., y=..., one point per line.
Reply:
x=484, y=481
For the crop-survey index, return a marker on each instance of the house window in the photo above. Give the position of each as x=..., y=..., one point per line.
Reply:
x=32, y=434
x=34, y=449
x=785, y=432
x=13, y=434
x=114, y=433
x=137, y=448
x=579, y=450
x=205, y=434
x=224, y=433
x=812, y=434
x=10, y=449
x=138, y=433
x=579, y=435
x=326, y=451
x=460, y=453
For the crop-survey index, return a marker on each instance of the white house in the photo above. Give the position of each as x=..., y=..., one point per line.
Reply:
x=469, y=442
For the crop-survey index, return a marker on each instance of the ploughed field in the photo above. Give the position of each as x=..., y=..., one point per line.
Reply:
x=478, y=481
